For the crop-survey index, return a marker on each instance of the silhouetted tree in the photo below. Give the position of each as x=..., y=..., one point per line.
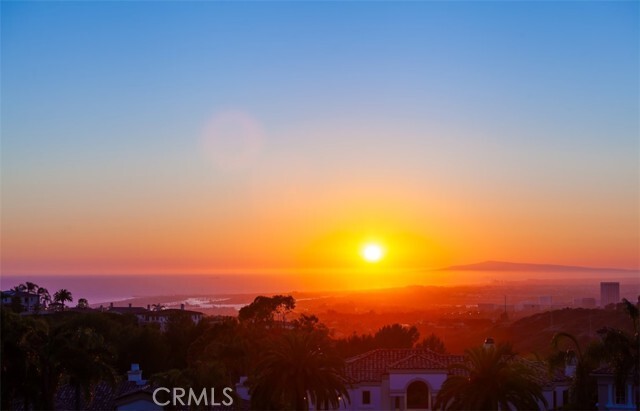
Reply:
x=267, y=309
x=583, y=391
x=621, y=349
x=490, y=379
x=43, y=298
x=296, y=369
x=433, y=343
x=17, y=383
x=85, y=360
x=355, y=344
x=62, y=295
x=396, y=336
x=29, y=287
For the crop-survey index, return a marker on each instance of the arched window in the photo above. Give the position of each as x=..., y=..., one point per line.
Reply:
x=417, y=396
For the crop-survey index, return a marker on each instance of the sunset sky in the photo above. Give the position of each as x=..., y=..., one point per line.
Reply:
x=199, y=137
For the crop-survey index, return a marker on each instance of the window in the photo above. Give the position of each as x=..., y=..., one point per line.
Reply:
x=565, y=397
x=621, y=394
x=366, y=397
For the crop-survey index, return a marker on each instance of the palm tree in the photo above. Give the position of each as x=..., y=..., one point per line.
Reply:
x=299, y=368
x=43, y=298
x=30, y=287
x=158, y=307
x=62, y=295
x=64, y=354
x=84, y=360
x=583, y=388
x=490, y=379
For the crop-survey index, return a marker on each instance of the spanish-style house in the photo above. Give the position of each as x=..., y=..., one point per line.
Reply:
x=410, y=379
x=396, y=379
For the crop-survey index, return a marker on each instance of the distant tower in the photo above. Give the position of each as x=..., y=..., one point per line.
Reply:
x=504, y=316
x=609, y=293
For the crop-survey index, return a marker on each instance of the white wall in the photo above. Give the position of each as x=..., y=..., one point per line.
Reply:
x=399, y=382
x=356, y=398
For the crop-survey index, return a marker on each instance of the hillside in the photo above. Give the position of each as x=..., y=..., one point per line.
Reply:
x=510, y=266
x=533, y=334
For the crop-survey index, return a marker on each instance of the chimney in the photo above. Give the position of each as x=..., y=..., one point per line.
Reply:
x=488, y=343
x=182, y=306
x=571, y=361
x=148, y=307
x=111, y=305
x=135, y=374
x=129, y=305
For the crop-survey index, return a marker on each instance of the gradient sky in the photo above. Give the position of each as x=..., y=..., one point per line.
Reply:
x=201, y=137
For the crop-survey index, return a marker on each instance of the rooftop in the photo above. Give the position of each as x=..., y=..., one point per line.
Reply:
x=373, y=365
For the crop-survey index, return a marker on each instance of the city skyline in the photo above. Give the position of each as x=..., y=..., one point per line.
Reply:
x=207, y=137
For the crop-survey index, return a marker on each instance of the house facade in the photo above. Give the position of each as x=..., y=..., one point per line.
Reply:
x=164, y=317
x=614, y=397
x=396, y=379
x=28, y=301
x=410, y=379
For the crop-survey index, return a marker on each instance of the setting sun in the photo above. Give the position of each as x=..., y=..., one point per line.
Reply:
x=372, y=253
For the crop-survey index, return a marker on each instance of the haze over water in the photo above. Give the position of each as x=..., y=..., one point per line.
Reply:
x=101, y=288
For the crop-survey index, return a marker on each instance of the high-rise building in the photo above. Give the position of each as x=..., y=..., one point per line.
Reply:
x=609, y=293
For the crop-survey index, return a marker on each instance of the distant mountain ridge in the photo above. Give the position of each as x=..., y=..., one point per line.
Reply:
x=509, y=266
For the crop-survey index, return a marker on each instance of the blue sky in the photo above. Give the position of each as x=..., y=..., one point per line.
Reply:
x=530, y=105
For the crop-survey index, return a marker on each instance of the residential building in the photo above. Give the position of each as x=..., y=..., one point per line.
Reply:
x=139, y=312
x=164, y=317
x=28, y=301
x=161, y=317
x=613, y=397
x=410, y=379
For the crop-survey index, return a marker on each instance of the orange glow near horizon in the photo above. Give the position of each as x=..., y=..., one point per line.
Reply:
x=306, y=230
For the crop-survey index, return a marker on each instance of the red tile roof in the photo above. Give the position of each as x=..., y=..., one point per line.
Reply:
x=373, y=365
x=541, y=372
x=417, y=362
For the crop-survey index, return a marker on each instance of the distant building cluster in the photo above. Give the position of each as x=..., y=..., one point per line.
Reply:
x=609, y=294
x=30, y=303
x=160, y=316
